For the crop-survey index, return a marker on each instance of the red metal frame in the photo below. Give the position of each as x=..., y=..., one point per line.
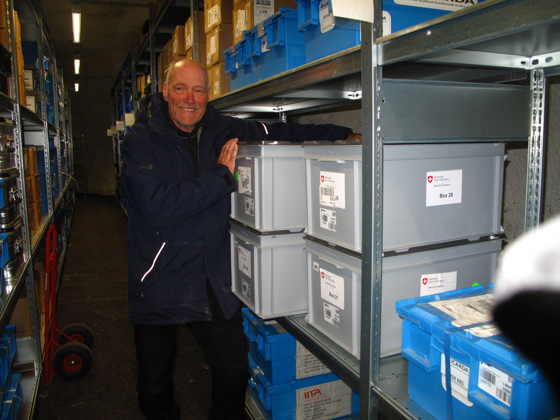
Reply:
x=50, y=303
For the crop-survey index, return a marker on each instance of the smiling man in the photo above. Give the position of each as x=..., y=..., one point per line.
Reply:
x=177, y=177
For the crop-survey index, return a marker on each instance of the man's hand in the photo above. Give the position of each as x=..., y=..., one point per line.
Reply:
x=228, y=154
x=354, y=136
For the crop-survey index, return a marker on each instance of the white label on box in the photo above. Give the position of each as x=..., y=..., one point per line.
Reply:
x=332, y=288
x=328, y=219
x=459, y=380
x=214, y=15
x=444, y=187
x=331, y=314
x=263, y=10
x=385, y=23
x=241, y=24
x=324, y=401
x=246, y=289
x=495, y=382
x=307, y=364
x=249, y=206
x=438, y=4
x=244, y=181
x=437, y=283
x=326, y=16
x=264, y=47
x=332, y=191
x=244, y=260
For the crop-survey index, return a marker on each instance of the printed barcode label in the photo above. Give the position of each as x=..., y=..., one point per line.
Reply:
x=328, y=219
x=495, y=382
x=327, y=191
x=332, y=189
x=331, y=314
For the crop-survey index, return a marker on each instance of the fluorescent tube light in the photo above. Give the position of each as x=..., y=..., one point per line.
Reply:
x=76, y=66
x=76, y=22
x=76, y=87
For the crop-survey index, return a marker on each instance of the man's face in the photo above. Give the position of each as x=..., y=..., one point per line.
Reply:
x=187, y=94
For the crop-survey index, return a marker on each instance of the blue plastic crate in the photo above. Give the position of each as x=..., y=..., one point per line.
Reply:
x=10, y=245
x=489, y=378
x=8, y=187
x=276, y=45
x=325, y=34
x=323, y=397
x=13, y=398
x=238, y=67
x=276, y=353
x=9, y=337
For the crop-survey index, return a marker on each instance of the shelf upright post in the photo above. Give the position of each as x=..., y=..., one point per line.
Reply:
x=535, y=152
x=372, y=157
x=195, y=23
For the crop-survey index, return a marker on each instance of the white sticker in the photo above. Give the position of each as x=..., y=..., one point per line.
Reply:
x=214, y=15
x=385, y=23
x=264, y=46
x=328, y=219
x=438, y=4
x=307, y=364
x=326, y=16
x=246, y=289
x=249, y=206
x=495, y=382
x=332, y=189
x=244, y=181
x=444, y=187
x=467, y=311
x=332, y=288
x=459, y=379
x=244, y=261
x=315, y=266
x=324, y=401
x=331, y=314
x=263, y=10
x=437, y=283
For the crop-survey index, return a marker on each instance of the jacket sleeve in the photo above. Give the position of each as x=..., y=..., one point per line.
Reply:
x=160, y=200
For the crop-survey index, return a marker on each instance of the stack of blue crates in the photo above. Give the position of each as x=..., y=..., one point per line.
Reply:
x=489, y=378
x=238, y=66
x=287, y=381
x=10, y=387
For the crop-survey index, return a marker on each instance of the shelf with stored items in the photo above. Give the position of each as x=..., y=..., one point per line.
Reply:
x=36, y=152
x=408, y=85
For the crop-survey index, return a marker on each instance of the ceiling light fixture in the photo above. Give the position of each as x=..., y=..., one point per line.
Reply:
x=77, y=65
x=76, y=22
x=76, y=87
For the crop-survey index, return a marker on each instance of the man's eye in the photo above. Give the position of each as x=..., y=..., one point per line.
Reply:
x=199, y=91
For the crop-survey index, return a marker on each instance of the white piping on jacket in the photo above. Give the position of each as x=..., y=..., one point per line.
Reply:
x=153, y=264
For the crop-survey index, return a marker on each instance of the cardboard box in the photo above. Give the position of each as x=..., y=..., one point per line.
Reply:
x=201, y=54
x=217, y=12
x=219, y=80
x=30, y=160
x=178, y=41
x=248, y=13
x=20, y=318
x=189, y=35
x=217, y=40
x=29, y=79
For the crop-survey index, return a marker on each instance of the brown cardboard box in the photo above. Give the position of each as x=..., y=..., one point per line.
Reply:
x=201, y=54
x=189, y=36
x=217, y=12
x=30, y=160
x=20, y=318
x=219, y=80
x=217, y=40
x=178, y=43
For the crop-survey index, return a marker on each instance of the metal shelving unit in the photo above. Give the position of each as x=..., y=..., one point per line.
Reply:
x=497, y=41
x=32, y=128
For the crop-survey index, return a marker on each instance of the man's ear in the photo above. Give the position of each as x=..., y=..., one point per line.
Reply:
x=165, y=91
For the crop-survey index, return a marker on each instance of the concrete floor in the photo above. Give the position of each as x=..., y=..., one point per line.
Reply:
x=94, y=292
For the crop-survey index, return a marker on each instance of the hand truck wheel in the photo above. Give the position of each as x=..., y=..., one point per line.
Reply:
x=72, y=360
x=76, y=333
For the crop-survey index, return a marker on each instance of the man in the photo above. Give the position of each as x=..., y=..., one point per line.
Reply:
x=178, y=164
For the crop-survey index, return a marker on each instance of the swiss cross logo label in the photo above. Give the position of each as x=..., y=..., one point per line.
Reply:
x=430, y=179
x=425, y=281
x=322, y=178
x=322, y=274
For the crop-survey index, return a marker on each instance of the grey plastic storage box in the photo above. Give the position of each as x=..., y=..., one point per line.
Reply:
x=269, y=272
x=433, y=193
x=335, y=286
x=270, y=192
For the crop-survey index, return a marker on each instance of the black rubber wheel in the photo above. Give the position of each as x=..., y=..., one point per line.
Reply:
x=77, y=333
x=72, y=360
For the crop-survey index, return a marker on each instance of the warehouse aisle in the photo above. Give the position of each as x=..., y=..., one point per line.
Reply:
x=94, y=292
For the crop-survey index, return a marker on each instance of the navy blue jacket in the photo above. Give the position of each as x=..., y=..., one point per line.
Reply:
x=178, y=217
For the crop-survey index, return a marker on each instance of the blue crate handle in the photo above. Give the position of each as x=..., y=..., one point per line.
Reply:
x=275, y=32
x=311, y=19
x=252, y=47
x=231, y=60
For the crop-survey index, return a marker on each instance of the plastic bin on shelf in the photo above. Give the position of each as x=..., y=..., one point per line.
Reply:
x=323, y=397
x=325, y=34
x=276, y=45
x=489, y=379
x=277, y=354
x=238, y=66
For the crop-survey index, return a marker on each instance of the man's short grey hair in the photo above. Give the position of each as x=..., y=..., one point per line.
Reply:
x=181, y=60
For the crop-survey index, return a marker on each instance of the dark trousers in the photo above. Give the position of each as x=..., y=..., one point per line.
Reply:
x=224, y=347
